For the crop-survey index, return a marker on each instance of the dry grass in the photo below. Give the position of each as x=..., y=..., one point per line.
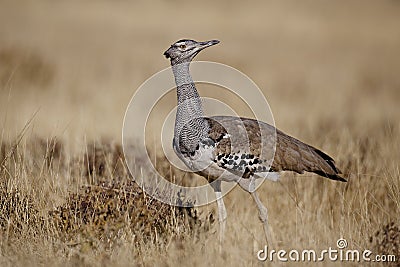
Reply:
x=330, y=73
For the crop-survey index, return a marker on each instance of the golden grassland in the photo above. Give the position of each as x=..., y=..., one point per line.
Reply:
x=330, y=71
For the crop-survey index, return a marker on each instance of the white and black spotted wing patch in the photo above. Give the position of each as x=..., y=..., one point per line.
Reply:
x=242, y=164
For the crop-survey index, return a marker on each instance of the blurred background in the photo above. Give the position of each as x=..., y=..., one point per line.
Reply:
x=329, y=70
x=79, y=62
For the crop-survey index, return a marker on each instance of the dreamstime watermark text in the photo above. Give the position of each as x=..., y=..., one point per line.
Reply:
x=338, y=253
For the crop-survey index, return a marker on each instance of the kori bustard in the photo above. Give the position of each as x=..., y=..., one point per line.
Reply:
x=233, y=149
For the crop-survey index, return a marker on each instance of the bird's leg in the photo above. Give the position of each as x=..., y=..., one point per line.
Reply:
x=263, y=215
x=221, y=215
x=249, y=186
x=221, y=210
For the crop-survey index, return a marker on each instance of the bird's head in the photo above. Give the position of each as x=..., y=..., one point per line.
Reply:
x=185, y=50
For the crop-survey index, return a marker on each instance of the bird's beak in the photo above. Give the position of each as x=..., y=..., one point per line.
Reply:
x=207, y=44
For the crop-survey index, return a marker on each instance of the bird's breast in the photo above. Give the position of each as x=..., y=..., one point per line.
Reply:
x=199, y=159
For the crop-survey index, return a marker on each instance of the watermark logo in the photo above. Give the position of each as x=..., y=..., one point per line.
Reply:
x=139, y=136
x=339, y=253
x=341, y=243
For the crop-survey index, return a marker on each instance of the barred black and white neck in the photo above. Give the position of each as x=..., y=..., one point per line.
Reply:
x=190, y=125
x=191, y=128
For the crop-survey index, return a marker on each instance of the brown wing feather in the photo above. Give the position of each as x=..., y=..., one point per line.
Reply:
x=293, y=155
x=290, y=155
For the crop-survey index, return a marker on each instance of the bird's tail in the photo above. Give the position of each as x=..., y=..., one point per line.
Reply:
x=334, y=173
x=294, y=155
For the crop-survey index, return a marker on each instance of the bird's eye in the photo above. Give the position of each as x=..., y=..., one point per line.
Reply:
x=182, y=46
